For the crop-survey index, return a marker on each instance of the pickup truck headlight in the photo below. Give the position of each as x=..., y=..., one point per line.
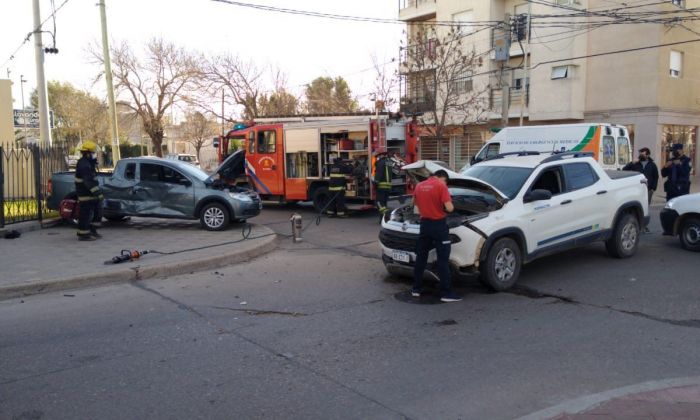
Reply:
x=670, y=203
x=241, y=197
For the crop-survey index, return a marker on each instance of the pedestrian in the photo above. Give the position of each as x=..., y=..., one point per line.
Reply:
x=88, y=190
x=382, y=180
x=432, y=201
x=338, y=174
x=646, y=166
x=677, y=173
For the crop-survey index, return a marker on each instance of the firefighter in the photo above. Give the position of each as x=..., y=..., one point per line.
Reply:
x=382, y=180
x=338, y=173
x=88, y=190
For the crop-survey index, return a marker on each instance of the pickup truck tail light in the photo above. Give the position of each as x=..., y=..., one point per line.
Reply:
x=49, y=187
x=643, y=181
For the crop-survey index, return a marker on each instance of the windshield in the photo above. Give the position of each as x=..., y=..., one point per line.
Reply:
x=506, y=179
x=193, y=171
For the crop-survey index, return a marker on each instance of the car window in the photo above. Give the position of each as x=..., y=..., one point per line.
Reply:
x=251, y=142
x=623, y=150
x=160, y=173
x=266, y=142
x=130, y=171
x=508, y=180
x=579, y=175
x=608, y=150
x=550, y=179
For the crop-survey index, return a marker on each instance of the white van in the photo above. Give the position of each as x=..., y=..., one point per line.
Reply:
x=609, y=143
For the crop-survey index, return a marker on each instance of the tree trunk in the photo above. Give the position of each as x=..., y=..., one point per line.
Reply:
x=157, y=140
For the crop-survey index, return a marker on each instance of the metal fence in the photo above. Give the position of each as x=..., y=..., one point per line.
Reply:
x=24, y=175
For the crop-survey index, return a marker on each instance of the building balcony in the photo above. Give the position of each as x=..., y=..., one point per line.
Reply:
x=416, y=105
x=417, y=9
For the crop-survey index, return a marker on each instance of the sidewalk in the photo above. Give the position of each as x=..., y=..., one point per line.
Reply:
x=677, y=399
x=53, y=259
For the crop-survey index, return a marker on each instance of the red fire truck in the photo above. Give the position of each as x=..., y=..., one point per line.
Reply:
x=287, y=159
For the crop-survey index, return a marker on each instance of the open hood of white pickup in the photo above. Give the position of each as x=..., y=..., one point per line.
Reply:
x=422, y=169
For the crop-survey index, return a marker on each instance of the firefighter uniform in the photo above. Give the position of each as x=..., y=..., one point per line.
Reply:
x=88, y=191
x=382, y=179
x=338, y=174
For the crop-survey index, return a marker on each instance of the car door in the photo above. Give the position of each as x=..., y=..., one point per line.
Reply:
x=587, y=196
x=163, y=191
x=547, y=221
x=118, y=190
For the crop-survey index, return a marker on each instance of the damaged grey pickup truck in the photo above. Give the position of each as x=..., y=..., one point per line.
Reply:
x=154, y=187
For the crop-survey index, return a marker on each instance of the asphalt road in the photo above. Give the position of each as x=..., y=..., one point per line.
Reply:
x=318, y=330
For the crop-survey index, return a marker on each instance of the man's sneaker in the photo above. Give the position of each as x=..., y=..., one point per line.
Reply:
x=95, y=235
x=451, y=297
x=86, y=238
x=416, y=292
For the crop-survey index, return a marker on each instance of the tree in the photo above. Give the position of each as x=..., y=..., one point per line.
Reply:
x=239, y=80
x=386, y=83
x=77, y=114
x=278, y=103
x=440, y=69
x=325, y=95
x=163, y=78
x=198, y=130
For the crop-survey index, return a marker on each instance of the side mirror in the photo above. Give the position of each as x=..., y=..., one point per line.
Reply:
x=537, y=195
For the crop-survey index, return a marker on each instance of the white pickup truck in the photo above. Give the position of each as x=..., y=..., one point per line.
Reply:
x=513, y=208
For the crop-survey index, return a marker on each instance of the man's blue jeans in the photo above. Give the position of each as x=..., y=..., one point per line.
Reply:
x=433, y=234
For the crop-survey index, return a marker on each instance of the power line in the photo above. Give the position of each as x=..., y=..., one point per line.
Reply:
x=26, y=39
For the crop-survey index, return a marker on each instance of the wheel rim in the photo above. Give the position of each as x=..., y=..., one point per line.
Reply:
x=629, y=236
x=505, y=264
x=214, y=217
x=692, y=234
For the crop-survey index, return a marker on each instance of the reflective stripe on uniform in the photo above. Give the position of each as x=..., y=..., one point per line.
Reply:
x=337, y=176
x=83, y=232
x=94, y=189
x=78, y=180
x=336, y=189
x=86, y=198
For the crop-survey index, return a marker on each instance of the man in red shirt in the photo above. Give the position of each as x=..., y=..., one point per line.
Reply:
x=432, y=201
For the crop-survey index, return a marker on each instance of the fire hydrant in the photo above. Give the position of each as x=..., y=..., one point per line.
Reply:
x=296, y=227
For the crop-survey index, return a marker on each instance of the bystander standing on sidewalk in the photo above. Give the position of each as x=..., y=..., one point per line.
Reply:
x=677, y=173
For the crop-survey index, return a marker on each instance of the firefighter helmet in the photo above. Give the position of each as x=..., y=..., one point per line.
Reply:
x=88, y=146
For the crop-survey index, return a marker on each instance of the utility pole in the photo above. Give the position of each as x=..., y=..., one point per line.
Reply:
x=525, y=85
x=22, y=81
x=505, y=86
x=110, y=88
x=41, y=90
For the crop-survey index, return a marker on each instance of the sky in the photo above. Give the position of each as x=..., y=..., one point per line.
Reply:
x=303, y=47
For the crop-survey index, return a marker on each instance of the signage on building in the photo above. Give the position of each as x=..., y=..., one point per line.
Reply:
x=501, y=45
x=29, y=118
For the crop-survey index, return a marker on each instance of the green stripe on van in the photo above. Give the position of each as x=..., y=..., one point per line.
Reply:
x=587, y=139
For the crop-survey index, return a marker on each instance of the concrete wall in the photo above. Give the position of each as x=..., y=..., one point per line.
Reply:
x=7, y=131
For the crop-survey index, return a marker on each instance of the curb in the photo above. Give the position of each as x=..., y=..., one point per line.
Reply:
x=30, y=226
x=578, y=405
x=136, y=273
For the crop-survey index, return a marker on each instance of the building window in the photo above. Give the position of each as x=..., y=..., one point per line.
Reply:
x=562, y=72
x=464, y=84
x=676, y=64
x=432, y=48
x=465, y=20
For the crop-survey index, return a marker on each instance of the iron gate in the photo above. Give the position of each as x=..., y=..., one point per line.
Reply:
x=24, y=175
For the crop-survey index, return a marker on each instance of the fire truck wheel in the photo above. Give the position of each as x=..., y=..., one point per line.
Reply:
x=321, y=197
x=214, y=216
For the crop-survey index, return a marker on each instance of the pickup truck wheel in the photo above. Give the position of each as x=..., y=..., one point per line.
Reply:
x=321, y=198
x=501, y=269
x=214, y=216
x=625, y=239
x=690, y=234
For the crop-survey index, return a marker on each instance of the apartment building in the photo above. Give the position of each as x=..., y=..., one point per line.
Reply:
x=580, y=68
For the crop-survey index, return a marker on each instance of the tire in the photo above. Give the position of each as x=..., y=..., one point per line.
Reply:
x=321, y=198
x=689, y=234
x=625, y=239
x=214, y=216
x=501, y=269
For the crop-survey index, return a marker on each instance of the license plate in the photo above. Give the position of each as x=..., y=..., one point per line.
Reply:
x=401, y=256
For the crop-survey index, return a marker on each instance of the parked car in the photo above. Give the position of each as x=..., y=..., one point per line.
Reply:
x=153, y=187
x=681, y=217
x=512, y=209
x=191, y=159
